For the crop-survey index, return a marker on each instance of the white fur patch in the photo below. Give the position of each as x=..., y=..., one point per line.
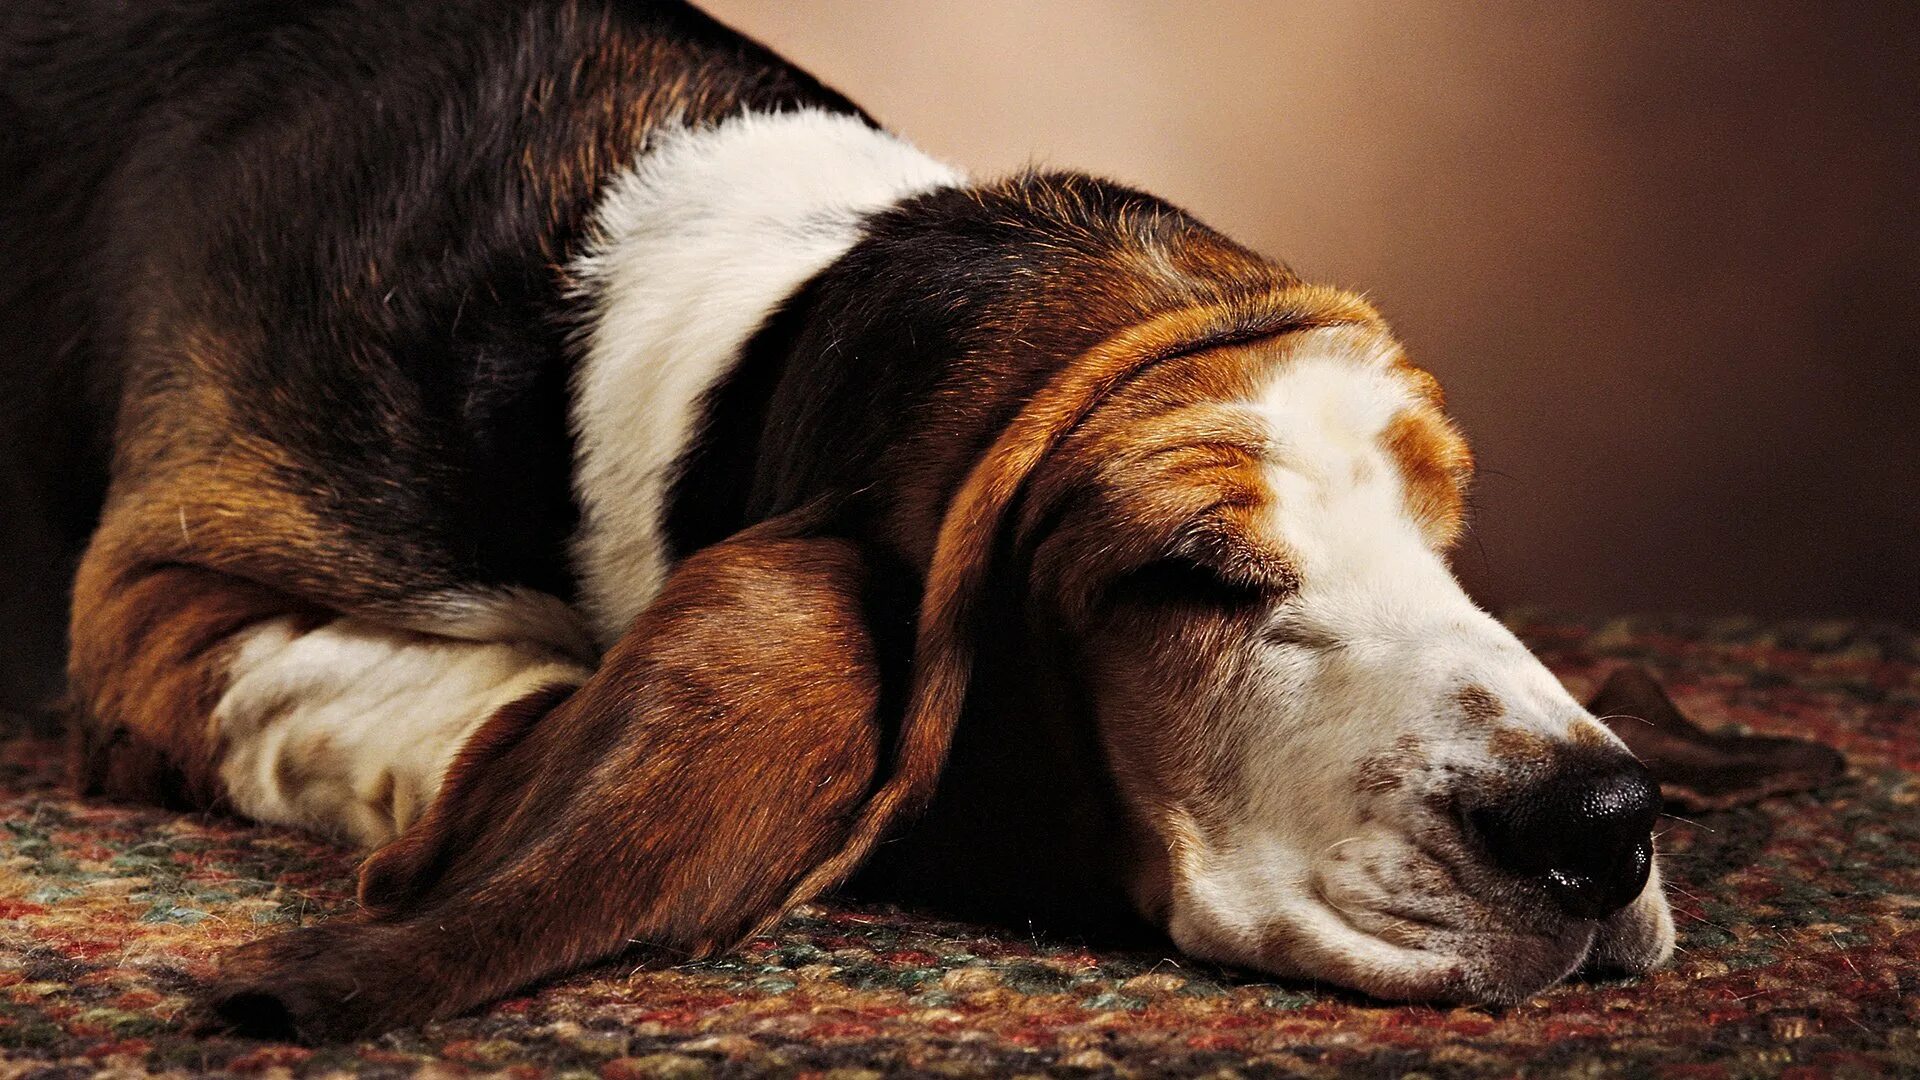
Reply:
x=348, y=729
x=695, y=248
x=1369, y=655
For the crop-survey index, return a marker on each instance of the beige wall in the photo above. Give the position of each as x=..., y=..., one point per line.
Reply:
x=1661, y=256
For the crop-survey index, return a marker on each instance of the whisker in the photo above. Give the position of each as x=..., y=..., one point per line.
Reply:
x=1689, y=821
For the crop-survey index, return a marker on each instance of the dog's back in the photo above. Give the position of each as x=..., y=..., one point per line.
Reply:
x=82, y=85
x=217, y=167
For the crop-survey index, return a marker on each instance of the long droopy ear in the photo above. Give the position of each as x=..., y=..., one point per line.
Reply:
x=723, y=764
x=972, y=529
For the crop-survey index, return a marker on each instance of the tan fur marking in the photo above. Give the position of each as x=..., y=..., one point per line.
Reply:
x=1518, y=746
x=1589, y=734
x=1435, y=466
x=1377, y=774
x=147, y=664
x=1478, y=705
x=1387, y=771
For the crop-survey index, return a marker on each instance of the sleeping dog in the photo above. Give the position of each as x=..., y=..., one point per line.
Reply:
x=571, y=453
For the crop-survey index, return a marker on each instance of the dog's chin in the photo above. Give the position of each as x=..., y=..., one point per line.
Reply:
x=1433, y=965
x=1401, y=955
x=1639, y=937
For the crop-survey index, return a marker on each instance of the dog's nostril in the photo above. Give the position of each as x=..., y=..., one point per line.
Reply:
x=1586, y=833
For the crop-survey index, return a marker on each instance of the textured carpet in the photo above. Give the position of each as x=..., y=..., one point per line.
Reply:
x=1800, y=931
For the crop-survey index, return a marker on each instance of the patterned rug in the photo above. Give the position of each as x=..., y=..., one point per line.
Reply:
x=1800, y=938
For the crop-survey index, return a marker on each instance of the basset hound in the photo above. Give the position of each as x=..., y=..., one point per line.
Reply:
x=569, y=452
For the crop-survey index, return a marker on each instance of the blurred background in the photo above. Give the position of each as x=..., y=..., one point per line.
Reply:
x=1662, y=258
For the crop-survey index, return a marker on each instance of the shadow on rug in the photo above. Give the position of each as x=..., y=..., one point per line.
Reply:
x=1800, y=939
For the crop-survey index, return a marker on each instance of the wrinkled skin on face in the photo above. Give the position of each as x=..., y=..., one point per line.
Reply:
x=1303, y=712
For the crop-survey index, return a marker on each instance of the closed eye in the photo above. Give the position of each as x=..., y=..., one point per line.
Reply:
x=1175, y=581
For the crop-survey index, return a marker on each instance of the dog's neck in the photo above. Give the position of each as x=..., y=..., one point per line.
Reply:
x=695, y=248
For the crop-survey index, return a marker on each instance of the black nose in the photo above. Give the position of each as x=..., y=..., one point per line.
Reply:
x=1586, y=832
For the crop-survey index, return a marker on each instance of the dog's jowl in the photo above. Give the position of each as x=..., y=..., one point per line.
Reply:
x=566, y=450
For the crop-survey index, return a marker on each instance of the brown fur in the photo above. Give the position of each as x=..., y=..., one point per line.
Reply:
x=1517, y=746
x=149, y=660
x=1387, y=771
x=1434, y=466
x=1478, y=705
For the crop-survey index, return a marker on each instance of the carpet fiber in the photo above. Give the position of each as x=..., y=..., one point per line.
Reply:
x=1799, y=919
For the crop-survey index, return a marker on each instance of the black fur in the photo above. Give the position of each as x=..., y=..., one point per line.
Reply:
x=368, y=205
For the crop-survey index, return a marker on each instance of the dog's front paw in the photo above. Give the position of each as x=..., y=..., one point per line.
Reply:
x=326, y=983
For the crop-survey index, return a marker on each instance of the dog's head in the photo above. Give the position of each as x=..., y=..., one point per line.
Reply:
x=1334, y=765
x=1330, y=762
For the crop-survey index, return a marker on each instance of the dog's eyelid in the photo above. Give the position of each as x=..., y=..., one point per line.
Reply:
x=1183, y=579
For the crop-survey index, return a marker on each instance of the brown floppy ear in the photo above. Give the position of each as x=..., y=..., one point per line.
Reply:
x=972, y=527
x=716, y=757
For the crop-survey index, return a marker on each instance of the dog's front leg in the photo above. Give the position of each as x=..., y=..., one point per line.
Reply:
x=674, y=801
